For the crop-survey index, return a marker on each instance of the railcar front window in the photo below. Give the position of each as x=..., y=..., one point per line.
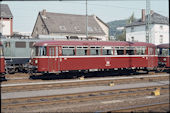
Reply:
x=42, y=51
x=164, y=52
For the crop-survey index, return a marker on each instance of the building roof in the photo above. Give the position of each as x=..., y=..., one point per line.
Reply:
x=163, y=45
x=155, y=19
x=93, y=43
x=69, y=23
x=5, y=12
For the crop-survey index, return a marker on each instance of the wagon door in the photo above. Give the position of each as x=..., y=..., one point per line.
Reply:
x=51, y=59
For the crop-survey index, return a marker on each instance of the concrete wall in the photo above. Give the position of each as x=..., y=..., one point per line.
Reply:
x=6, y=27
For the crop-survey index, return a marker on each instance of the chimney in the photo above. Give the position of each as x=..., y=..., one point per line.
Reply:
x=44, y=12
x=143, y=15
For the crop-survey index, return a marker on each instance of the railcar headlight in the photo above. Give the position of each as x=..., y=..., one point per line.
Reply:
x=29, y=61
x=36, y=61
x=164, y=59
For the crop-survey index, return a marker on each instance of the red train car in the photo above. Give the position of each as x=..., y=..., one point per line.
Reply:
x=164, y=55
x=59, y=56
x=2, y=61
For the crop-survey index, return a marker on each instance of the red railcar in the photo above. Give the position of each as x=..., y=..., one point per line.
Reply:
x=2, y=61
x=164, y=55
x=59, y=56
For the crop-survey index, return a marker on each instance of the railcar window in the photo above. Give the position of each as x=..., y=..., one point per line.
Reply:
x=140, y=50
x=7, y=44
x=42, y=51
x=1, y=51
x=31, y=44
x=107, y=50
x=119, y=50
x=68, y=51
x=150, y=51
x=20, y=44
x=95, y=50
x=51, y=51
x=36, y=51
x=81, y=51
x=130, y=51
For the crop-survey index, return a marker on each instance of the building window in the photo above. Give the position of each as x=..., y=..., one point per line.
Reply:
x=161, y=27
x=132, y=38
x=7, y=44
x=63, y=28
x=161, y=39
x=90, y=29
x=132, y=29
x=77, y=28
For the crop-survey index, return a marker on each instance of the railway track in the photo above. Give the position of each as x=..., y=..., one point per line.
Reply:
x=155, y=107
x=42, y=85
x=33, y=102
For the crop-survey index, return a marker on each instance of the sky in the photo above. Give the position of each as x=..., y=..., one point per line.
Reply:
x=25, y=12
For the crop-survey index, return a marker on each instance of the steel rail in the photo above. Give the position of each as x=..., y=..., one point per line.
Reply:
x=79, y=97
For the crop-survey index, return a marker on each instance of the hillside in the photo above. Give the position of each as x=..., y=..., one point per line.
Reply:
x=114, y=24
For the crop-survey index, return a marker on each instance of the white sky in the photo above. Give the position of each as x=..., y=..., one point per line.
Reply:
x=25, y=12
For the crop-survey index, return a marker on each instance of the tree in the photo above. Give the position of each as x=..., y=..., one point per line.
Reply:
x=122, y=36
x=131, y=19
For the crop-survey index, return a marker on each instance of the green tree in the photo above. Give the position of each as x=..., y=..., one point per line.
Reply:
x=131, y=19
x=122, y=36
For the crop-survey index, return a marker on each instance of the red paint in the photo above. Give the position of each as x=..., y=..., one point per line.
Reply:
x=2, y=63
x=64, y=64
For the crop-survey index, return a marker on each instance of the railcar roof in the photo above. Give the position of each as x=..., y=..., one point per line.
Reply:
x=163, y=45
x=93, y=43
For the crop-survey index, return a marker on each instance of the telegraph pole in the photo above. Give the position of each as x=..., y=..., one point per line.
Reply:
x=86, y=21
x=148, y=21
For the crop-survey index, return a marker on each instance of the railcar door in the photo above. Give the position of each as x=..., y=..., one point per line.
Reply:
x=151, y=57
x=51, y=59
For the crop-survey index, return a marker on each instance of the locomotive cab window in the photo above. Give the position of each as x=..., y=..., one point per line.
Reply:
x=20, y=44
x=68, y=51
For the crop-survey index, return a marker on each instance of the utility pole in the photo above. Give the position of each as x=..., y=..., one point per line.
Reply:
x=86, y=21
x=148, y=21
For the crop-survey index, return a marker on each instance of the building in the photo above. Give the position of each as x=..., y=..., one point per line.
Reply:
x=159, y=29
x=6, y=20
x=70, y=26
